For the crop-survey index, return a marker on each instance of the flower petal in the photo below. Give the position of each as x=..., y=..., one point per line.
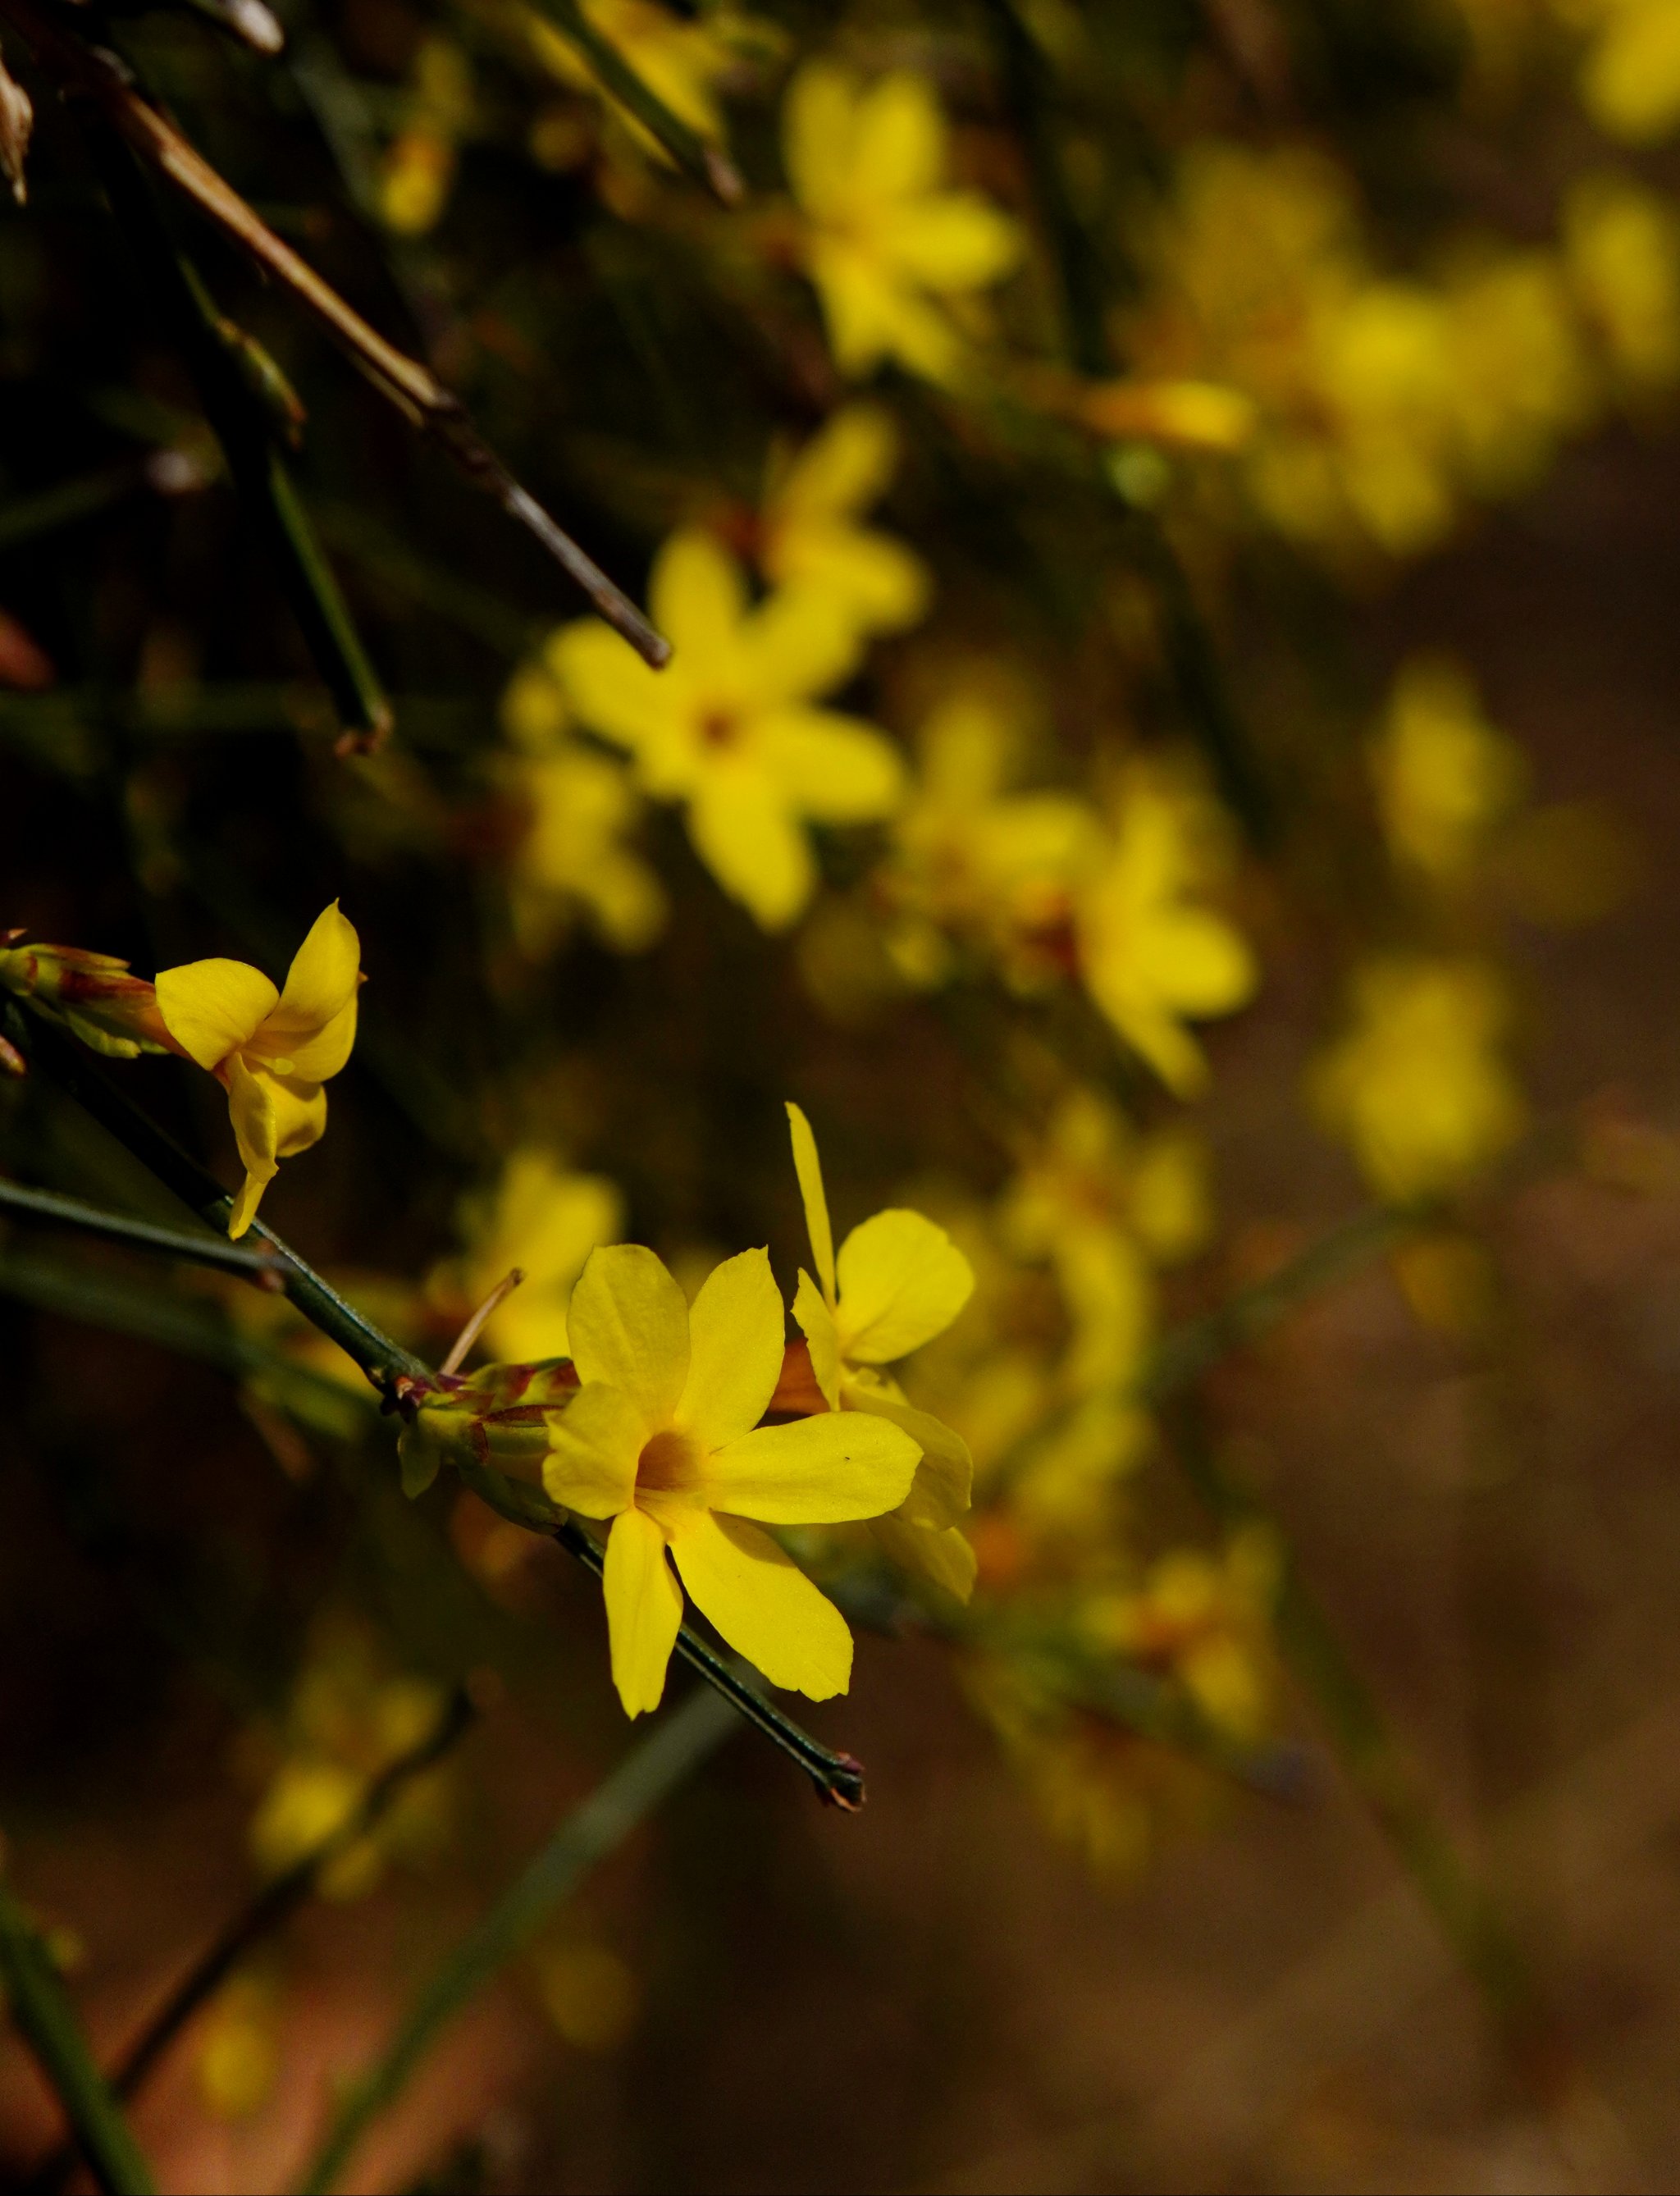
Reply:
x=593, y=1446
x=945, y=1479
x=816, y=1323
x=250, y=1108
x=944, y=1556
x=955, y=241
x=822, y=1470
x=902, y=1281
x=899, y=150
x=212, y=1007
x=629, y=1325
x=763, y=1604
x=809, y=1169
x=607, y=684
x=300, y=1112
x=742, y=831
x=320, y=988
x=697, y=594
x=833, y=768
x=818, y=116
x=843, y=468
x=801, y=641
x=644, y=1607
x=738, y=1331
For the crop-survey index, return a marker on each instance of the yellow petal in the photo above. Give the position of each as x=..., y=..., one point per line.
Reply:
x=944, y=1478
x=212, y=1007
x=245, y=1203
x=816, y=1323
x=320, y=996
x=629, y=1325
x=250, y=1108
x=955, y=241
x=742, y=831
x=644, y=1607
x=843, y=469
x=737, y=1332
x=817, y=127
x=900, y=144
x=608, y=685
x=809, y=1169
x=882, y=584
x=944, y=1557
x=902, y=1281
x=593, y=1446
x=1206, y=967
x=697, y=593
x=763, y=1604
x=833, y=768
x=813, y=1471
x=800, y=643
x=300, y=1112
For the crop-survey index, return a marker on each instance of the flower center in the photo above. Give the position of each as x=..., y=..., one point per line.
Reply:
x=720, y=728
x=669, y=1463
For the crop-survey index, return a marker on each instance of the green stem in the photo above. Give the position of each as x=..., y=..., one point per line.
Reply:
x=118, y=1228
x=384, y=1361
x=597, y=1828
x=45, y=2017
x=691, y=151
x=239, y=388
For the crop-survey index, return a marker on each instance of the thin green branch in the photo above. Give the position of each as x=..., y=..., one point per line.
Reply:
x=597, y=1828
x=696, y=155
x=262, y=1916
x=244, y=399
x=42, y=2012
x=139, y=1234
x=384, y=1361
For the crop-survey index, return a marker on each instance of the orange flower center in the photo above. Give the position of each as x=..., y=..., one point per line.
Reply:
x=668, y=1464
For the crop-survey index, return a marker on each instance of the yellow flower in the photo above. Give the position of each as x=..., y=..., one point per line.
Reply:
x=1630, y=77
x=888, y=248
x=994, y=869
x=898, y=1281
x=271, y=1051
x=1621, y=253
x=545, y=1220
x=1152, y=956
x=809, y=536
x=1207, y=1620
x=1444, y=776
x=239, y=2057
x=663, y=1437
x=580, y=808
x=730, y=728
x=1417, y=1087
x=419, y=167
x=682, y=60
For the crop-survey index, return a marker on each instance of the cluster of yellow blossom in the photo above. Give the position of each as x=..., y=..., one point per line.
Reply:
x=419, y=169
x=271, y=1051
x=1383, y=401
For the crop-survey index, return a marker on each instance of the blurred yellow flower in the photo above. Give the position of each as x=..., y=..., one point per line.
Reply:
x=809, y=531
x=730, y=728
x=972, y=863
x=890, y=250
x=239, y=2048
x=663, y=1438
x=1151, y=956
x=1444, y=776
x=681, y=58
x=580, y=808
x=1631, y=75
x=271, y=1051
x=898, y=1281
x=1206, y=1620
x=1418, y=1087
x=1621, y=253
x=1102, y=1205
x=545, y=1220
x=419, y=166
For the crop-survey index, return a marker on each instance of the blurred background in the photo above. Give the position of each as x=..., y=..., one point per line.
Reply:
x=1165, y=513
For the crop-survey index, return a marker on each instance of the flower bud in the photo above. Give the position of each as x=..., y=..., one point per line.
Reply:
x=496, y=1418
x=91, y=995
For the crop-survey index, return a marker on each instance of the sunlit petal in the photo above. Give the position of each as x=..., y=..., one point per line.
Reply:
x=813, y=1471
x=809, y=1169
x=764, y=1604
x=212, y=1007
x=593, y=1445
x=902, y=1281
x=629, y=1325
x=644, y=1607
x=737, y=1332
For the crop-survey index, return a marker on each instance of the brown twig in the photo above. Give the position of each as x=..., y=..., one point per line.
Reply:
x=403, y=381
